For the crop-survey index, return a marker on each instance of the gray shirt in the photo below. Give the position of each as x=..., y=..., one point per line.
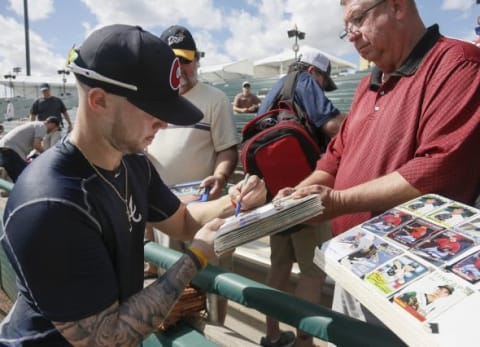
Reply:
x=21, y=138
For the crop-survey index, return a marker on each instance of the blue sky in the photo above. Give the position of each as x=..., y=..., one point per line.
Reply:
x=226, y=30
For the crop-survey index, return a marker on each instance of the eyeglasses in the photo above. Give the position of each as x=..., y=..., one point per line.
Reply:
x=92, y=74
x=356, y=21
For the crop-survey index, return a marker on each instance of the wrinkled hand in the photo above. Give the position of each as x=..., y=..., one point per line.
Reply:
x=330, y=199
x=251, y=193
x=217, y=184
x=284, y=192
x=203, y=239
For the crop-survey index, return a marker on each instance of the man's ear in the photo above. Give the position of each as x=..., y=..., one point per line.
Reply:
x=399, y=8
x=97, y=99
x=311, y=69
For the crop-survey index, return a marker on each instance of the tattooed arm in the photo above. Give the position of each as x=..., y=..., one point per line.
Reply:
x=127, y=324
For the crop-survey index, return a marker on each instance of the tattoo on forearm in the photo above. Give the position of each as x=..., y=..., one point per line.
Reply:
x=127, y=324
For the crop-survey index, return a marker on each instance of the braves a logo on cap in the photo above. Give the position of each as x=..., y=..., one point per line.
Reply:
x=175, y=74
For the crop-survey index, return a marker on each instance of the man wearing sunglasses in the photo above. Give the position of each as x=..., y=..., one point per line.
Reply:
x=206, y=150
x=413, y=127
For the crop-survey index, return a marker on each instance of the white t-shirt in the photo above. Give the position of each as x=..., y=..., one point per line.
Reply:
x=188, y=153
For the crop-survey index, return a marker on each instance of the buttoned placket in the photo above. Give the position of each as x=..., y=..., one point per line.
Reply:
x=381, y=93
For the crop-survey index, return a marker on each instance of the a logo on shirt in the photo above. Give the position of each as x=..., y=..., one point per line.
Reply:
x=132, y=209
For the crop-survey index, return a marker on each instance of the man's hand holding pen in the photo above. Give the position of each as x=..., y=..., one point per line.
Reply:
x=248, y=193
x=238, y=208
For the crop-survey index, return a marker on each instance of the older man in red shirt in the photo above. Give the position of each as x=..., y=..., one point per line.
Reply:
x=413, y=127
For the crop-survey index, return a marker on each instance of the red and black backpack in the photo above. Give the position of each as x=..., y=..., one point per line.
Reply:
x=281, y=145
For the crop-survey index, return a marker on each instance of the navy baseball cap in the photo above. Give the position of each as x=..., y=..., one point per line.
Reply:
x=131, y=62
x=44, y=86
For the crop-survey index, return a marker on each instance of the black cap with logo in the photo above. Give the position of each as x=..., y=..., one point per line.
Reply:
x=129, y=61
x=181, y=41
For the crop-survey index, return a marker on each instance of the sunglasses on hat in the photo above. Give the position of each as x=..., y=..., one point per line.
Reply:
x=184, y=61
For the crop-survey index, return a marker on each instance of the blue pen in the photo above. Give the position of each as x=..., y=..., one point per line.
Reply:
x=203, y=193
x=238, y=208
x=206, y=193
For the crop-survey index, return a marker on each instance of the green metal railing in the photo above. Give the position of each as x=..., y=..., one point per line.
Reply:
x=6, y=185
x=313, y=319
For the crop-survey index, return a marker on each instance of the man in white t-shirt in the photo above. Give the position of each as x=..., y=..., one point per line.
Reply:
x=204, y=151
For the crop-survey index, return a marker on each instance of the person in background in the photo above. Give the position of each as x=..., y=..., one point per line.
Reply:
x=246, y=102
x=49, y=105
x=206, y=150
x=412, y=129
x=53, y=135
x=75, y=220
x=54, y=132
x=298, y=244
x=10, y=111
x=18, y=143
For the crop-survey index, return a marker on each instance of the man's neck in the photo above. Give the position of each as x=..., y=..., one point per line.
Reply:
x=184, y=89
x=94, y=146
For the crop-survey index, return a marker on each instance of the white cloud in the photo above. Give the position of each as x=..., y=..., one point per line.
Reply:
x=462, y=5
x=264, y=33
x=37, y=9
x=43, y=60
x=246, y=29
x=11, y=53
x=155, y=14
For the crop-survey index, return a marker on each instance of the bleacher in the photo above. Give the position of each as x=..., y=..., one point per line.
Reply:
x=259, y=86
x=347, y=84
x=21, y=106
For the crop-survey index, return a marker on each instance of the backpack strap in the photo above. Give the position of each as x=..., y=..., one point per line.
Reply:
x=287, y=92
x=287, y=95
x=288, y=89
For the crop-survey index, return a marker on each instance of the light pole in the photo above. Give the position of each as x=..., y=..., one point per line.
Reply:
x=10, y=77
x=64, y=78
x=298, y=36
x=27, y=35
